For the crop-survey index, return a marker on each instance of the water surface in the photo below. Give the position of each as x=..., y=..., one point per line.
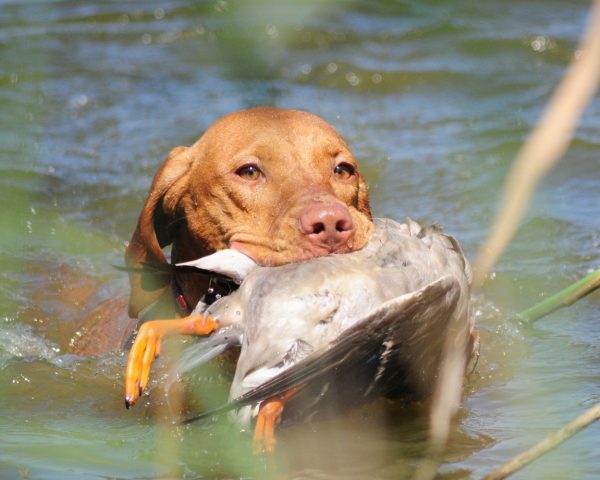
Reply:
x=434, y=99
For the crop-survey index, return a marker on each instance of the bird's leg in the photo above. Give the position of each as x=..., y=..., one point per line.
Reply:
x=269, y=414
x=146, y=348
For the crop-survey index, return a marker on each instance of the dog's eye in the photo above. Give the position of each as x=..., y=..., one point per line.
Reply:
x=344, y=171
x=249, y=172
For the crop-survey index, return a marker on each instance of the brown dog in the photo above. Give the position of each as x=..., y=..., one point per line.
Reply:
x=278, y=185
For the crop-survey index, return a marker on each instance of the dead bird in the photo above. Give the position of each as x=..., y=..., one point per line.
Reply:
x=363, y=324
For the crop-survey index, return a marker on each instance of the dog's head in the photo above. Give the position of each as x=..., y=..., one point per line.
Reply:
x=278, y=185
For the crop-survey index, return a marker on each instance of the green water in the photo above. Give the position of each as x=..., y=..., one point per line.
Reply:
x=434, y=99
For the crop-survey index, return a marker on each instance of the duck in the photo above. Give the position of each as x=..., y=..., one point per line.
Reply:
x=386, y=320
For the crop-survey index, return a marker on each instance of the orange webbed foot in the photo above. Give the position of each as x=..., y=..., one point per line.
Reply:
x=147, y=345
x=269, y=415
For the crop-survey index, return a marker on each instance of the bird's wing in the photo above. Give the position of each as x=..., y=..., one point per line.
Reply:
x=413, y=324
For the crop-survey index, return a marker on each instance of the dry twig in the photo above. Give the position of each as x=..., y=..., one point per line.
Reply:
x=544, y=148
x=547, y=444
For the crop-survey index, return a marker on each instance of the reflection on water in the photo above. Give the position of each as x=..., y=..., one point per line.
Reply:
x=434, y=98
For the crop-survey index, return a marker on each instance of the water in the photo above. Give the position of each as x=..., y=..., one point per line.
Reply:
x=434, y=98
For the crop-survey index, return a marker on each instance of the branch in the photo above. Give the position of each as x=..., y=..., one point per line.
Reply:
x=547, y=444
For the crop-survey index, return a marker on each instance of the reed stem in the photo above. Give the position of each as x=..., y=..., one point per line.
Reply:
x=564, y=298
x=549, y=443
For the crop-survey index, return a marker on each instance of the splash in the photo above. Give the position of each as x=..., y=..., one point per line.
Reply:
x=20, y=341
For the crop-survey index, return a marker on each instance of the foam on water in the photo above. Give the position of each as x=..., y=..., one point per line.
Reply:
x=20, y=341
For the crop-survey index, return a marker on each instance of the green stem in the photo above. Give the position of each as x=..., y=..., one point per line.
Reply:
x=564, y=298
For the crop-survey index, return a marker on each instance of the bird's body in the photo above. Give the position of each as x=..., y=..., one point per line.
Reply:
x=388, y=306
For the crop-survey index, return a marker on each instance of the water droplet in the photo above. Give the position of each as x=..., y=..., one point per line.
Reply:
x=332, y=67
x=539, y=44
x=272, y=31
x=352, y=79
x=82, y=100
x=306, y=69
x=159, y=13
x=146, y=39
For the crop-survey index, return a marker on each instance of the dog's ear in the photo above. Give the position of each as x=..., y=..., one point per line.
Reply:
x=155, y=229
x=363, y=205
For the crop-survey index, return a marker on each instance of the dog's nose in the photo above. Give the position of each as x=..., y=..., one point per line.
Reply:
x=328, y=225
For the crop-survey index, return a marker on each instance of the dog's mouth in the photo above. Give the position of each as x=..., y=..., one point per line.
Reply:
x=266, y=257
x=306, y=250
